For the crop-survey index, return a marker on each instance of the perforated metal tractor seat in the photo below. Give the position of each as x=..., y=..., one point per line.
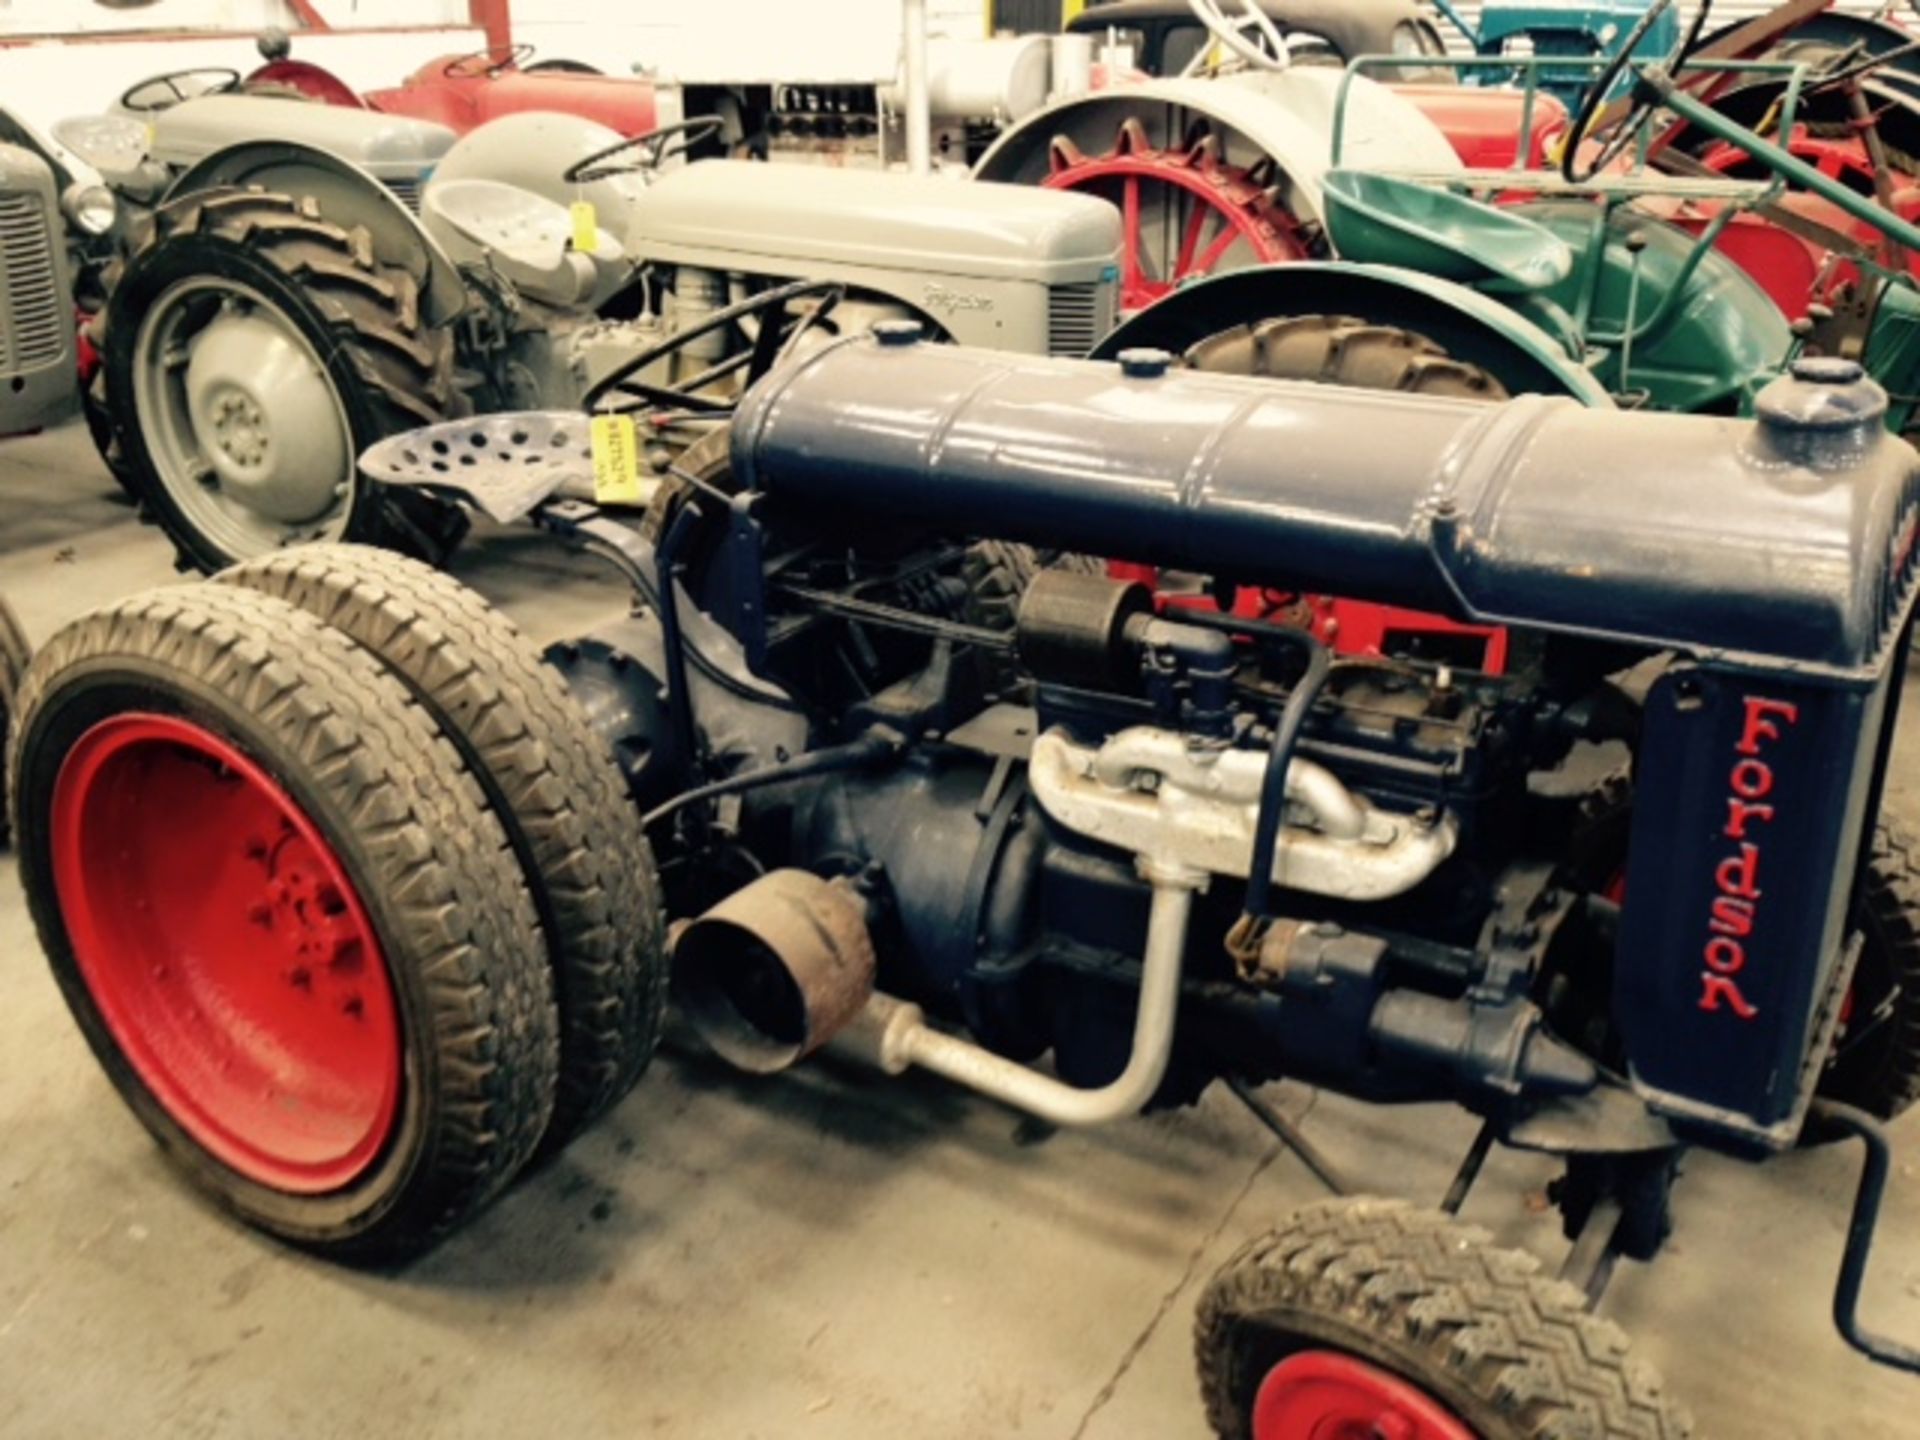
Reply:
x=527, y=238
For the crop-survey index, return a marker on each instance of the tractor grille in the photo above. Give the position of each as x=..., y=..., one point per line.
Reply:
x=408, y=192
x=1077, y=317
x=32, y=329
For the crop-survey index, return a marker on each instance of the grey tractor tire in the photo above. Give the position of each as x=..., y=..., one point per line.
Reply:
x=546, y=774
x=1512, y=1354
x=368, y=766
x=997, y=574
x=15, y=655
x=391, y=371
x=1343, y=350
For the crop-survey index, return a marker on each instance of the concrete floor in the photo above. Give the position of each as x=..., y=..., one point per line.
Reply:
x=827, y=1254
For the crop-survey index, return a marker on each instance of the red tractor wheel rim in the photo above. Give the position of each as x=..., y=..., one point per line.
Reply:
x=1323, y=1395
x=227, y=952
x=1223, y=207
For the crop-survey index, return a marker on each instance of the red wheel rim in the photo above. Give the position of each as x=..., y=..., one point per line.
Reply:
x=1219, y=208
x=227, y=952
x=1323, y=1395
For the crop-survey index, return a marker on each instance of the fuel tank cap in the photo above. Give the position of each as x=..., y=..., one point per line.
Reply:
x=1822, y=392
x=1823, y=413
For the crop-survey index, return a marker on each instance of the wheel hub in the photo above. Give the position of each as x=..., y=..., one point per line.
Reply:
x=1324, y=1395
x=239, y=427
x=242, y=421
x=269, y=424
x=227, y=952
x=1186, y=212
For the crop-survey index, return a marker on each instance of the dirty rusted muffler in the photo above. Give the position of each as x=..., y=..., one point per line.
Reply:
x=773, y=972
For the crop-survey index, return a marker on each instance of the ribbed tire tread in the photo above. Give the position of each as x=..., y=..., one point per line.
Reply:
x=432, y=863
x=547, y=775
x=1515, y=1355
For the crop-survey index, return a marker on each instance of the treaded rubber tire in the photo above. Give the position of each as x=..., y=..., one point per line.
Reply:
x=548, y=777
x=1512, y=1354
x=15, y=655
x=1882, y=1076
x=1343, y=350
x=391, y=372
x=428, y=859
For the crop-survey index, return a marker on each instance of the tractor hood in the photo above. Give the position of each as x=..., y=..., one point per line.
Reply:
x=391, y=148
x=729, y=214
x=1782, y=545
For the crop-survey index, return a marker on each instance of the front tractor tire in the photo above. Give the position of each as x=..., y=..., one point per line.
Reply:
x=284, y=918
x=252, y=350
x=1372, y=1317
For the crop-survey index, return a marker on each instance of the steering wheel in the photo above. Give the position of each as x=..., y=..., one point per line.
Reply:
x=1253, y=37
x=1651, y=85
x=659, y=146
x=484, y=64
x=780, y=330
x=171, y=88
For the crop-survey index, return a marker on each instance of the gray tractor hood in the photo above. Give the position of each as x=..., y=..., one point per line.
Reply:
x=389, y=147
x=722, y=212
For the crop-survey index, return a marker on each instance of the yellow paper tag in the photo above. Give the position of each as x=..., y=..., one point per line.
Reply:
x=616, y=461
x=586, y=227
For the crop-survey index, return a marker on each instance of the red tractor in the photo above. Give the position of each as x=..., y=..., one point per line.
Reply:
x=462, y=91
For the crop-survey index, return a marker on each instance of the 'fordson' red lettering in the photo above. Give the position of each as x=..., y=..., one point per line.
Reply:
x=1735, y=905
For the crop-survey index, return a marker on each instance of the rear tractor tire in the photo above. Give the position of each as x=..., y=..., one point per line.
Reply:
x=15, y=655
x=252, y=350
x=1343, y=350
x=548, y=777
x=1370, y=1317
x=284, y=918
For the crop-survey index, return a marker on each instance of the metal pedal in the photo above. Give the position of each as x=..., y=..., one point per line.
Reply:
x=502, y=465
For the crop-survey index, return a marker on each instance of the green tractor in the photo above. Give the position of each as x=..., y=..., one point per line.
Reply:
x=1601, y=278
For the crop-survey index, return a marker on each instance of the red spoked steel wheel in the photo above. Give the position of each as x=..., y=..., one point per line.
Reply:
x=1184, y=211
x=1324, y=1395
x=228, y=952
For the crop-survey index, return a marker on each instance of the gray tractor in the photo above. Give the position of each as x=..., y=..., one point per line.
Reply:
x=294, y=300
x=57, y=226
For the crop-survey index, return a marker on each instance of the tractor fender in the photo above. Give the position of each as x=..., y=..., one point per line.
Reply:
x=1840, y=30
x=1893, y=90
x=1467, y=324
x=533, y=150
x=1285, y=117
x=349, y=196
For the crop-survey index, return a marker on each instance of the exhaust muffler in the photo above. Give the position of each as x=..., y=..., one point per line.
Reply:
x=774, y=971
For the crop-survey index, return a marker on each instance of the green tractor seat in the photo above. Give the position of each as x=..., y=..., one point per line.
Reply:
x=1387, y=221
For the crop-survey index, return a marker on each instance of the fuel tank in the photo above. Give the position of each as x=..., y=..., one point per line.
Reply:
x=1786, y=539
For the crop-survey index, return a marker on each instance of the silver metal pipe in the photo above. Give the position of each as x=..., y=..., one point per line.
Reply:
x=894, y=1034
x=919, y=91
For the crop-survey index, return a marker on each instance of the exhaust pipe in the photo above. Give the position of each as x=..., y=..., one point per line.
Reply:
x=774, y=971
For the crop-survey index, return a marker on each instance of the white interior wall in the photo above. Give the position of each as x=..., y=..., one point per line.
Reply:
x=737, y=40
x=50, y=81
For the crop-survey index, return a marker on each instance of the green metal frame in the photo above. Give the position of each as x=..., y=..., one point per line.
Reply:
x=1579, y=299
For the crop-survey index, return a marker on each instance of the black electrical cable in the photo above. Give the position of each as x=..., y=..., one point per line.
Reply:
x=1273, y=787
x=875, y=745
